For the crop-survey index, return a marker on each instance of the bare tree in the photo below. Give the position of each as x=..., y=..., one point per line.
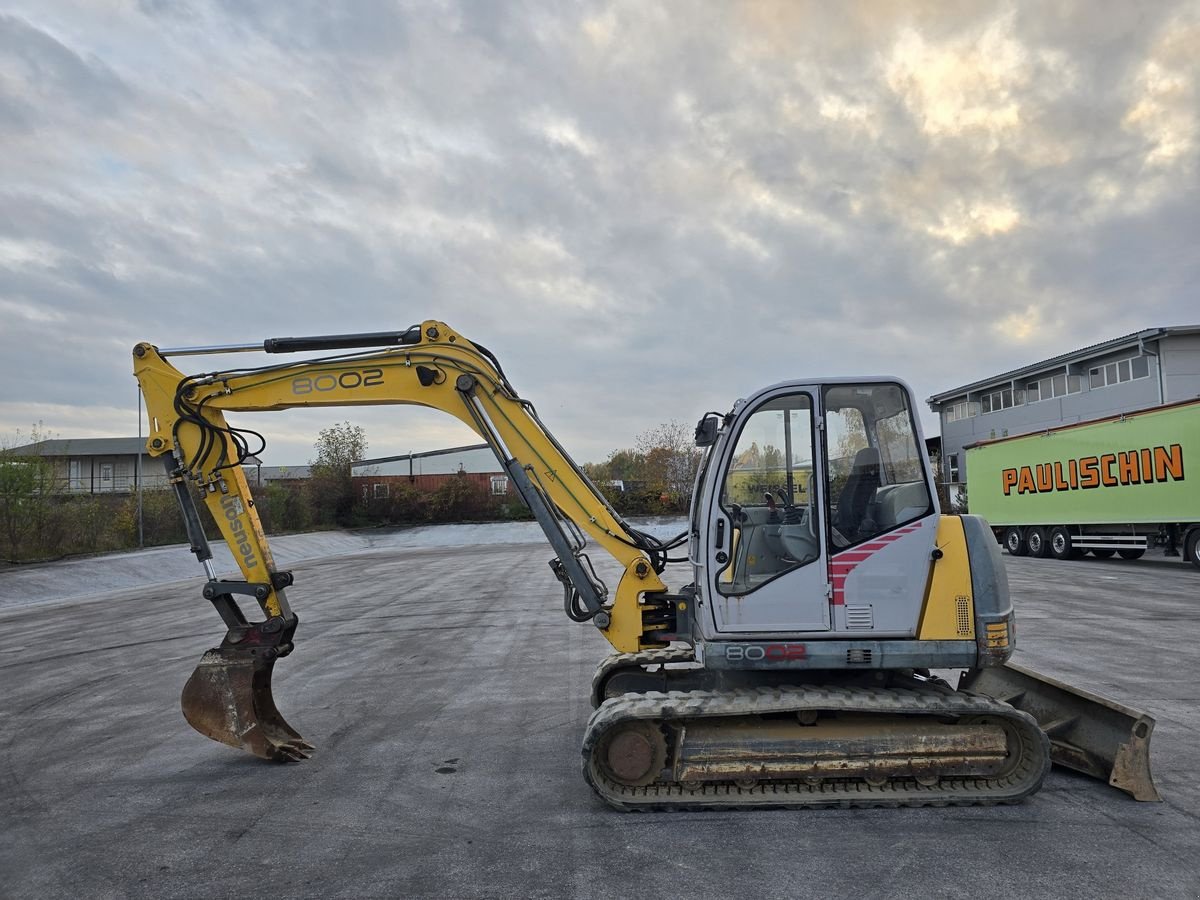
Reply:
x=671, y=457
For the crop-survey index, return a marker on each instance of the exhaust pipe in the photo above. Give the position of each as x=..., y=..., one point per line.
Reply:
x=1088, y=733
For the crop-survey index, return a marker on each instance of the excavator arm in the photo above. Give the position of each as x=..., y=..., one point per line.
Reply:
x=228, y=698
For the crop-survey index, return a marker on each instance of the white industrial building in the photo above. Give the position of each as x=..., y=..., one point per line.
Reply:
x=1136, y=371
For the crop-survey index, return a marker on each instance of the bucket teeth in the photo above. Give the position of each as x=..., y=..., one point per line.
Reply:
x=229, y=699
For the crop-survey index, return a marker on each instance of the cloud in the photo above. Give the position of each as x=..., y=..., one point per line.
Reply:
x=1164, y=113
x=41, y=75
x=962, y=86
x=963, y=222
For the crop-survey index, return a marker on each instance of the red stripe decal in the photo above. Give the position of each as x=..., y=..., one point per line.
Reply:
x=847, y=561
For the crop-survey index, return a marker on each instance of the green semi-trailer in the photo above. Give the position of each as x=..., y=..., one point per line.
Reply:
x=1114, y=485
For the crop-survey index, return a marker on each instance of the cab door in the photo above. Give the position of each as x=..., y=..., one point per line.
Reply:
x=766, y=560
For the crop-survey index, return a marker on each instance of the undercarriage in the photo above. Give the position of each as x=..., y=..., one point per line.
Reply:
x=913, y=743
x=669, y=734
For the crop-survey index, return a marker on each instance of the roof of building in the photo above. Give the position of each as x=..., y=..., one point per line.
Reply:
x=1148, y=334
x=450, y=451
x=109, y=446
x=276, y=473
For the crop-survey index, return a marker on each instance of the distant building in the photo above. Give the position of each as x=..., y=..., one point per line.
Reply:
x=109, y=465
x=1136, y=371
x=98, y=465
x=427, y=471
x=260, y=475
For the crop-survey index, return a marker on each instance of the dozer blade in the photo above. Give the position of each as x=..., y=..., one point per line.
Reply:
x=228, y=698
x=1088, y=733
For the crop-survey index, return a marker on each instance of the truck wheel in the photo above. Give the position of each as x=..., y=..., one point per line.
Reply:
x=1131, y=553
x=1103, y=552
x=1193, y=547
x=1014, y=542
x=1061, y=546
x=1036, y=540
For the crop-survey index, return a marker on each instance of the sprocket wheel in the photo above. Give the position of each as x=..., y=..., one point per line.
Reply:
x=634, y=754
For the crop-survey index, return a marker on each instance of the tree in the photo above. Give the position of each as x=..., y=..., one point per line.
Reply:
x=330, y=486
x=29, y=520
x=849, y=431
x=627, y=466
x=671, y=456
x=772, y=458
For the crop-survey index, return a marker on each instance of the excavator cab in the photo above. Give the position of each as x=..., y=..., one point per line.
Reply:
x=806, y=483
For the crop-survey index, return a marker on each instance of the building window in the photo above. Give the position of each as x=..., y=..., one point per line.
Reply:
x=1052, y=386
x=499, y=484
x=76, y=475
x=1122, y=370
x=960, y=410
x=998, y=400
x=952, y=468
x=381, y=491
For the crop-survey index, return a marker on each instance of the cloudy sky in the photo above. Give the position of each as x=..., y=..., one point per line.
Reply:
x=646, y=210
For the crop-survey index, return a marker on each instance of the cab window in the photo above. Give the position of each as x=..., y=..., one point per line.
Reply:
x=766, y=495
x=876, y=473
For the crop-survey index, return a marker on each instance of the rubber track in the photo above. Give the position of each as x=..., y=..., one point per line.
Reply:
x=955, y=790
x=617, y=661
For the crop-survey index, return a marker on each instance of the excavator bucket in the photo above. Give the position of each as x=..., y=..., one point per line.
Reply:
x=228, y=698
x=1088, y=733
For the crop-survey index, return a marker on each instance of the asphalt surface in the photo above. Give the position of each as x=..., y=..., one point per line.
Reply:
x=70, y=579
x=447, y=694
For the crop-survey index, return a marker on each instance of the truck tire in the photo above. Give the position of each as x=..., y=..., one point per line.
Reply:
x=1037, y=542
x=1192, y=543
x=1061, y=545
x=1103, y=552
x=1131, y=553
x=1014, y=541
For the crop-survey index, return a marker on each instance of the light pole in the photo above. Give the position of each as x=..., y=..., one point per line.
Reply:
x=138, y=472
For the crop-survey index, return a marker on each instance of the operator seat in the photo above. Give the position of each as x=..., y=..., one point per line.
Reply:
x=857, y=494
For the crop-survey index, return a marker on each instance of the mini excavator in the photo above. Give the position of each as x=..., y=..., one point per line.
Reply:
x=800, y=667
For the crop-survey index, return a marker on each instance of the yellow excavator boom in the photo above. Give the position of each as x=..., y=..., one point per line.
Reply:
x=429, y=365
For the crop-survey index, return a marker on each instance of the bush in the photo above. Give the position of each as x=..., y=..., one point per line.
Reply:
x=162, y=523
x=282, y=508
x=459, y=499
x=64, y=524
x=514, y=511
x=92, y=524
x=647, y=503
x=405, y=506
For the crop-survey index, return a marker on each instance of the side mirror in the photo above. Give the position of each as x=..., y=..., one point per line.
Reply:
x=706, y=430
